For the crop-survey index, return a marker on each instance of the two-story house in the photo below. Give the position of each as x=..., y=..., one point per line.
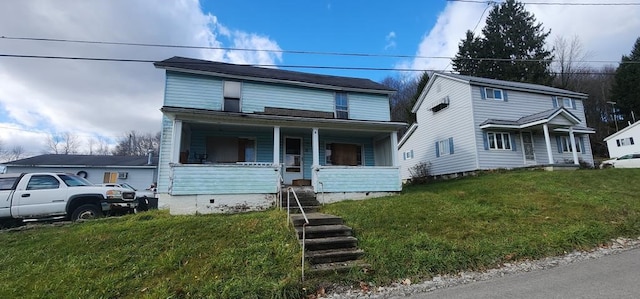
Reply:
x=467, y=123
x=232, y=134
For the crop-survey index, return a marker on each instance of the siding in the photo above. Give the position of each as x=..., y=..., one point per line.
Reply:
x=454, y=121
x=192, y=91
x=369, y=107
x=165, y=155
x=359, y=179
x=616, y=151
x=256, y=96
x=223, y=179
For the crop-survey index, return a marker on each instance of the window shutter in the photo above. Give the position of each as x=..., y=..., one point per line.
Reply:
x=573, y=104
x=559, y=142
x=451, y=145
x=554, y=100
x=483, y=94
x=618, y=142
x=411, y=154
x=437, y=150
x=582, y=149
x=513, y=142
x=504, y=96
x=485, y=140
x=631, y=140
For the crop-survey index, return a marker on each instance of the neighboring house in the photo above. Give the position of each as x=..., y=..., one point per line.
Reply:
x=138, y=171
x=231, y=133
x=468, y=123
x=624, y=141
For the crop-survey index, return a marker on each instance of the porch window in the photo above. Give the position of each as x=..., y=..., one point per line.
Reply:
x=343, y=154
x=232, y=96
x=231, y=149
x=342, y=105
x=565, y=142
x=499, y=141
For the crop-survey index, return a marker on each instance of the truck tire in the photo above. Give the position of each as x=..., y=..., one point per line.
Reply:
x=86, y=212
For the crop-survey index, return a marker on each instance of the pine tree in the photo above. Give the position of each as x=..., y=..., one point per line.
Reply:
x=512, y=42
x=626, y=87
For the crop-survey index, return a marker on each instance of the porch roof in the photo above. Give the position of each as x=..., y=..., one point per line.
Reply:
x=221, y=117
x=531, y=120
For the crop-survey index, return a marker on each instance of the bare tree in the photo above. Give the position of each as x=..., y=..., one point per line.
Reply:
x=98, y=146
x=137, y=144
x=65, y=143
x=569, y=61
x=15, y=153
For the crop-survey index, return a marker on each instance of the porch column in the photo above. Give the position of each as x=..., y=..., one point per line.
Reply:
x=547, y=141
x=315, y=145
x=176, y=141
x=574, y=150
x=394, y=148
x=276, y=145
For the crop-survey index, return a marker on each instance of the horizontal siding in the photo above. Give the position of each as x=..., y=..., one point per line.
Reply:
x=359, y=179
x=256, y=96
x=165, y=155
x=193, y=91
x=369, y=107
x=221, y=179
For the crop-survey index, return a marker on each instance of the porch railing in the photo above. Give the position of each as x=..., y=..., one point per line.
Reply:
x=304, y=225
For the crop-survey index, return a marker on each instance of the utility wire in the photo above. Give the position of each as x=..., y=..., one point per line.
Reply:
x=558, y=3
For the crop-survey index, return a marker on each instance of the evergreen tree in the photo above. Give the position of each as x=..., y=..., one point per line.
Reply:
x=513, y=44
x=626, y=87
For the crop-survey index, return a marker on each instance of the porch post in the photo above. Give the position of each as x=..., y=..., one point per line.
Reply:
x=276, y=145
x=394, y=148
x=176, y=141
x=547, y=141
x=315, y=149
x=574, y=150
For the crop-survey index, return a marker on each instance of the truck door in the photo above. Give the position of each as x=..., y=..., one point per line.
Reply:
x=6, y=188
x=43, y=195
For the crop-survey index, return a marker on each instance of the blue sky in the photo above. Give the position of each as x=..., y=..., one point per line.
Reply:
x=101, y=101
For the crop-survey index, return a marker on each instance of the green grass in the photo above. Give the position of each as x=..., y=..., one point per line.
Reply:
x=443, y=227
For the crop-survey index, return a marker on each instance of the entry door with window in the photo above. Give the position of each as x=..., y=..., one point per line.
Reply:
x=527, y=145
x=292, y=159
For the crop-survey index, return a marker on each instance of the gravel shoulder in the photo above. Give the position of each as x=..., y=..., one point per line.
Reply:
x=407, y=288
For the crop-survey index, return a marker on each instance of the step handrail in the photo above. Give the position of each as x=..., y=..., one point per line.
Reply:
x=321, y=191
x=304, y=225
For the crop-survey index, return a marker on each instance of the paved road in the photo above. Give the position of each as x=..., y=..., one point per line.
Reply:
x=612, y=276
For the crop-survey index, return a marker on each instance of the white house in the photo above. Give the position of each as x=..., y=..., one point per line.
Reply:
x=624, y=141
x=469, y=123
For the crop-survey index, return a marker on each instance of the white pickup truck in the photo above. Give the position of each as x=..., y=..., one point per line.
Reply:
x=50, y=195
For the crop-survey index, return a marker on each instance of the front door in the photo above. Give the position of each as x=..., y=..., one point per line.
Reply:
x=292, y=159
x=527, y=145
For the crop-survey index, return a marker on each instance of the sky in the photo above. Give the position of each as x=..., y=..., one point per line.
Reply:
x=104, y=100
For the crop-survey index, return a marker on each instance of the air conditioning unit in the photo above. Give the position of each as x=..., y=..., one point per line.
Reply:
x=123, y=175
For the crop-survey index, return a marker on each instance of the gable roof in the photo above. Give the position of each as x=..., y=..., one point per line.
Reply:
x=85, y=161
x=530, y=120
x=509, y=85
x=629, y=127
x=248, y=72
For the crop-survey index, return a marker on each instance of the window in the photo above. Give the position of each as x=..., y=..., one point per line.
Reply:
x=499, y=141
x=444, y=147
x=231, y=96
x=228, y=150
x=74, y=181
x=8, y=182
x=494, y=94
x=110, y=177
x=565, y=102
x=39, y=182
x=565, y=142
x=625, y=141
x=342, y=105
x=343, y=154
x=408, y=155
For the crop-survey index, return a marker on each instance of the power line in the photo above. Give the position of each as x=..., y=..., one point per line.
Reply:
x=556, y=3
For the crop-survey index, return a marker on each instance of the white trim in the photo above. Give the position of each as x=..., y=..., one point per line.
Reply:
x=394, y=149
x=175, y=141
x=407, y=134
x=574, y=150
x=276, y=145
x=547, y=141
x=629, y=127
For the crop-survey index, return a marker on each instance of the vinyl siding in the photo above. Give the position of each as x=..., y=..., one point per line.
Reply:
x=193, y=91
x=223, y=179
x=616, y=151
x=453, y=121
x=368, y=107
x=359, y=179
x=256, y=96
x=165, y=155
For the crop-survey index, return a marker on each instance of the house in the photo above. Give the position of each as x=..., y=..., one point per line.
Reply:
x=468, y=123
x=232, y=134
x=138, y=171
x=624, y=141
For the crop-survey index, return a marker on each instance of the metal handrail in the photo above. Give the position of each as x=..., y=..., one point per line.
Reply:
x=280, y=182
x=322, y=191
x=304, y=226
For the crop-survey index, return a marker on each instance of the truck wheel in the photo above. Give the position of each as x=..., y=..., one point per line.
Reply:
x=85, y=212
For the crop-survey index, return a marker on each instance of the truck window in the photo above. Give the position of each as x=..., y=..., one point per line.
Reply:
x=39, y=182
x=7, y=183
x=74, y=180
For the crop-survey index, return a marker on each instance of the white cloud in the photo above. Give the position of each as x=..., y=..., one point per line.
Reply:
x=391, y=40
x=93, y=98
x=607, y=32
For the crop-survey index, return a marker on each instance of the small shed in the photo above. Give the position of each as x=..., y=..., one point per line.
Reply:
x=625, y=141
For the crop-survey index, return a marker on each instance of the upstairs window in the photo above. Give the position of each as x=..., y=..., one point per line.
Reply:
x=231, y=96
x=566, y=103
x=493, y=93
x=342, y=105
